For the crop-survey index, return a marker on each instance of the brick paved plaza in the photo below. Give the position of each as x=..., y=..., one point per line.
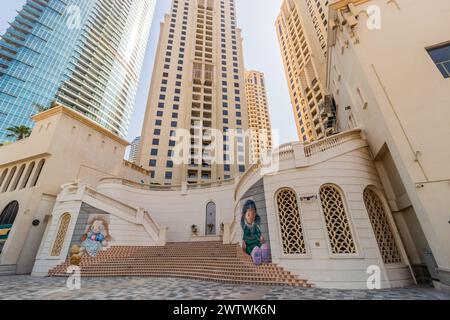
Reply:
x=25, y=287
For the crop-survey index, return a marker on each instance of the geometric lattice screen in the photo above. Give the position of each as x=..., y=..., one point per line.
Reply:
x=59, y=240
x=336, y=220
x=291, y=227
x=383, y=233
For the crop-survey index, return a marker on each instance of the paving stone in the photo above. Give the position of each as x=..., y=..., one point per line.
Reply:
x=126, y=288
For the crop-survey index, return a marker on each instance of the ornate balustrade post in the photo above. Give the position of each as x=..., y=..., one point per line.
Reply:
x=299, y=155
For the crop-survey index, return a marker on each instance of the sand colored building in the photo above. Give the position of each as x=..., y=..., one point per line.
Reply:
x=258, y=114
x=395, y=88
x=301, y=28
x=320, y=232
x=197, y=89
x=366, y=206
x=65, y=146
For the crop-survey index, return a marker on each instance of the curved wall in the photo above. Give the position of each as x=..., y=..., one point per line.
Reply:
x=177, y=210
x=351, y=170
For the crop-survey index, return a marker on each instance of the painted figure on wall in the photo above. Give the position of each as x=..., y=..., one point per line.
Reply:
x=253, y=241
x=96, y=237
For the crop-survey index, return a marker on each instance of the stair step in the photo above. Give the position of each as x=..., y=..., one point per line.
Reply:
x=190, y=260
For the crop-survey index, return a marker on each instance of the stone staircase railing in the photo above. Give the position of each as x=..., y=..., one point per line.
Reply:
x=230, y=230
x=331, y=142
x=300, y=155
x=139, y=216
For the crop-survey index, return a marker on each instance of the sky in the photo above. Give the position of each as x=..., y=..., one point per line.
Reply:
x=256, y=18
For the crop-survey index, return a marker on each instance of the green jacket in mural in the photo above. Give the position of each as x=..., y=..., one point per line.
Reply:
x=251, y=237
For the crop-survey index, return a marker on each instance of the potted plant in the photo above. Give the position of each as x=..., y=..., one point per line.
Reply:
x=211, y=227
x=222, y=228
x=194, y=229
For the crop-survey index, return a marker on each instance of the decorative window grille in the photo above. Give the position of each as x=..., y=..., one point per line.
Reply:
x=61, y=235
x=291, y=228
x=383, y=233
x=338, y=227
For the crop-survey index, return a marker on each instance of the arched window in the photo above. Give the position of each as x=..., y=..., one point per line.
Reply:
x=291, y=228
x=37, y=173
x=9, y=213
x=18, y=177
x=3, y=176
x=336, y=220
x=380, y=224
x=27, y=176
x=61, y=235
x=8, y=180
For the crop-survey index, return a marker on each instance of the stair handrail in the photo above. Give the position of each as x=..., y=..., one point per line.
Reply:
x=132, y=214
x=229, y=231
x=160, y=232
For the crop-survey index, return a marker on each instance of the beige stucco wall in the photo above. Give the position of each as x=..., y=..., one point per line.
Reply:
x=407, y=102
x=349, y=166
x=177, y=210
x=74, y=149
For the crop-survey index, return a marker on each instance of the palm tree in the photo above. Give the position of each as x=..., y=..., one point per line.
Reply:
x=40, y=108
x=18, y=132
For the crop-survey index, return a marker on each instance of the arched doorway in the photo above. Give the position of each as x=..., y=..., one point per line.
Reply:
x=7, y=218
x=210, y=219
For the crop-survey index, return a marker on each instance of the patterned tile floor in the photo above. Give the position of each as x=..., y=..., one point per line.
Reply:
x=25, y=287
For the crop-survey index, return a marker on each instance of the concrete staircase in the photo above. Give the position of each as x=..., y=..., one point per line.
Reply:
x=212, y=261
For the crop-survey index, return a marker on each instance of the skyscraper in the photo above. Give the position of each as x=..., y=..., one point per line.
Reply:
x=301, y=29
x=258, y=114
x=134, y=149
x=86, y=55
x=197, y=87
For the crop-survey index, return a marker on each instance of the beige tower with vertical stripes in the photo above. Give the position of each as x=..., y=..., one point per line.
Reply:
x=258, y=113
x=197, y=86
x=301, y=29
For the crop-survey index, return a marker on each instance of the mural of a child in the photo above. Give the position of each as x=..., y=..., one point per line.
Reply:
x=253, y=241
x=96, y=237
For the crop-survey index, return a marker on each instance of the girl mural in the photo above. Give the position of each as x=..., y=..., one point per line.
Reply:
x=253, y=242
x=96, y=237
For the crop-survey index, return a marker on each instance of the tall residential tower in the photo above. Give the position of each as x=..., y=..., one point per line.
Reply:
x=197, y=87
x=134, y=149
x=86, y=55
x=301, y=29
x=258, y=114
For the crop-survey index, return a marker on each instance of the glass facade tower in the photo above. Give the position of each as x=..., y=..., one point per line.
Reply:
x=84, y=54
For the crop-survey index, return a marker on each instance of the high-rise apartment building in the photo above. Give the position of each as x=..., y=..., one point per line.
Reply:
x=258, y=114
x=198, y=88
x=86, y=55
x=301, y=29
x=134, y=149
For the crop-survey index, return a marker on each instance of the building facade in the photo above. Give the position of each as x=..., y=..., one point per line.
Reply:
x=86, y=55
x=134, y=149
x=70, y=173
x=258, y=114
x=301, y=29
x=197, y=97
x=64, y=146
x=395, y=88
